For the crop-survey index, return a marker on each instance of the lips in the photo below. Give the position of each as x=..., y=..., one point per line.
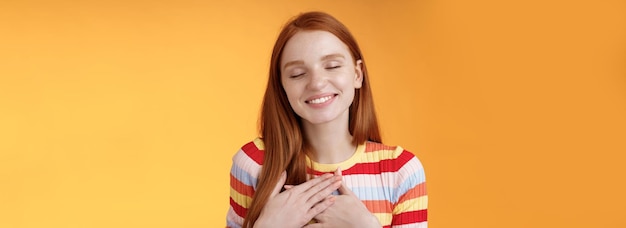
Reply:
x=320, y=99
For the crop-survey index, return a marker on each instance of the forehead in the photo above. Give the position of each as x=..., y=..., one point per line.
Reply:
x=311, y=46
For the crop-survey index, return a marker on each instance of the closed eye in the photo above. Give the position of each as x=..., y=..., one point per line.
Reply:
x=333, y=67
x=295, y=76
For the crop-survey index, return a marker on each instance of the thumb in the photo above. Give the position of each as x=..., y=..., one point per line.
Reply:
x=279, y=184
x=343, y=189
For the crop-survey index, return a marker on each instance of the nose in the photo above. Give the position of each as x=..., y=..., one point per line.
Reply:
x=317, y=80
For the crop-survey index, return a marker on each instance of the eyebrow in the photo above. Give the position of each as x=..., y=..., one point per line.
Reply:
x=332, y=56
x=297, y=62
x=326, y=57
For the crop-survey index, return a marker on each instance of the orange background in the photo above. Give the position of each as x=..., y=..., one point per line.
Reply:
x=126, y=113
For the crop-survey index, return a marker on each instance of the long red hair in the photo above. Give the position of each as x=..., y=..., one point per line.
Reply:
x=281, y=128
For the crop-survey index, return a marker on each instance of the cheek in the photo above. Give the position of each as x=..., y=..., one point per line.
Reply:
x=291, y=92
x=348, y=88
x=346, y=83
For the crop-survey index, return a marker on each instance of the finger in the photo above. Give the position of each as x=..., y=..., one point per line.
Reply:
x=322, y=216
x=320, y=191
x=338, y=172
x=320, y=207
x=288, y=186
x=310, y=183
x=279, y=185
x=343, y=189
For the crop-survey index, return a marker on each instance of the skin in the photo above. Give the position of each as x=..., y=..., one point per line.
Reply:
x=347, y=211
x=317, y=64
x=296, y=206
x=320, y=77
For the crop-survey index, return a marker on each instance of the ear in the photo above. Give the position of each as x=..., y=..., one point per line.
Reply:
x=358, y=74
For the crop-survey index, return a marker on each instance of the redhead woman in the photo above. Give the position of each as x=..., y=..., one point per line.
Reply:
x=319, y=160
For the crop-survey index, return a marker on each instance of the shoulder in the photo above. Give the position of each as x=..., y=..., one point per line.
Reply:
x=394, y=157
x=252, y=151
x=404, y=169
x=247, y=162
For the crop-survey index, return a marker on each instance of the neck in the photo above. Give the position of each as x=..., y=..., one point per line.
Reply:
x=330, y=143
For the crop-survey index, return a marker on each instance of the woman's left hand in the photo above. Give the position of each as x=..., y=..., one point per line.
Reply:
x=347, y=211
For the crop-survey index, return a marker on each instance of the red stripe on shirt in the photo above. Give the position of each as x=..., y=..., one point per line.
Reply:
x=382, y=166
x=387, y=165
x=241, y=187
x=410, y=217
x=241, y=211
x=253, y=152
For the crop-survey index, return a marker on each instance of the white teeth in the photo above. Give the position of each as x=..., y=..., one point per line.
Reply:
x=320, y=100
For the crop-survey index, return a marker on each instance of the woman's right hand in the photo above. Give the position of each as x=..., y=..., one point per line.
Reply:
x=296, y=206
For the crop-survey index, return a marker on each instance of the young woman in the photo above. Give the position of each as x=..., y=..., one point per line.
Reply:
x=319, y=161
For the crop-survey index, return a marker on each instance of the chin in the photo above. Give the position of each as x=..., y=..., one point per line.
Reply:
x=318, y=120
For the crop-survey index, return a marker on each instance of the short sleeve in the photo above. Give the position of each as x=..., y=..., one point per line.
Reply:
x=411, y=205
x=243, y=179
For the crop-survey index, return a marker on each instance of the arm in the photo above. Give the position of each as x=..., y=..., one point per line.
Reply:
x=243, y=178
x=411, y=206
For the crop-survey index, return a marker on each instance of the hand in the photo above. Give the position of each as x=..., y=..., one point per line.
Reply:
x=347, y=211
x=297, y=205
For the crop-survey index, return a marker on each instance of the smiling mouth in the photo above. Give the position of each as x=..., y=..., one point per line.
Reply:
x=320, y=100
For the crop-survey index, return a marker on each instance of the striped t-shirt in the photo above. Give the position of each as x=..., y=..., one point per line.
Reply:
x=389, y=180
